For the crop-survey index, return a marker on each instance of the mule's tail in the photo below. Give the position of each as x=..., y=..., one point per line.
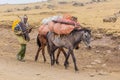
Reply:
x=38, y=41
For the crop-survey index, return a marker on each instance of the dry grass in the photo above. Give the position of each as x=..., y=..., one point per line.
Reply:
x=90, y=15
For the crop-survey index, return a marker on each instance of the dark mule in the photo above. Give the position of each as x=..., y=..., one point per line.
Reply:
x=69, y=42
x=41, y=42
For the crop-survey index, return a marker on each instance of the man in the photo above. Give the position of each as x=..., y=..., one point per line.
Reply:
x=22, y=31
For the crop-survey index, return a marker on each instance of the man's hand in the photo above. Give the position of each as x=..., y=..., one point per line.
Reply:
x=30, y=30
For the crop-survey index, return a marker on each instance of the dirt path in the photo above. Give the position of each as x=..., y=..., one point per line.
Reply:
x=11, y=69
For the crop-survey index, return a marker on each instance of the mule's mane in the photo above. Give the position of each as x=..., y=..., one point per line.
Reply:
x=83, y=29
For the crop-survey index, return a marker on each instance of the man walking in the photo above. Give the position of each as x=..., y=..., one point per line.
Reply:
x=22, y=31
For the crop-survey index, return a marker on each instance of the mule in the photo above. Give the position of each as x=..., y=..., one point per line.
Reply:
x=69, y=42
x=42, y=42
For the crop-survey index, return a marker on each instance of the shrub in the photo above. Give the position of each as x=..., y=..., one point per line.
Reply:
x=37, y=7
x=26, y=8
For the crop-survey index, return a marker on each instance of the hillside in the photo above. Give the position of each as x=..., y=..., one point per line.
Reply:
x=90, y=14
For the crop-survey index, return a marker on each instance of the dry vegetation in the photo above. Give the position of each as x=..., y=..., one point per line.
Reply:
x=90, y=12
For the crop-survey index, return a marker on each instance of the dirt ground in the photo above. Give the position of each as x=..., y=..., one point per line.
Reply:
x=100, y=63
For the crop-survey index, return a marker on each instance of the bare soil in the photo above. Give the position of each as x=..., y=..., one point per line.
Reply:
x=102, y=62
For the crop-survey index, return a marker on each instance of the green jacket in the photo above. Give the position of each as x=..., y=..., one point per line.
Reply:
x=22, y=33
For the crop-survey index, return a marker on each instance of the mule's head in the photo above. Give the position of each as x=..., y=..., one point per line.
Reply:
x=86, y=38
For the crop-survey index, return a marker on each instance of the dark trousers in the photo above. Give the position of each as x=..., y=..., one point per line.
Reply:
x=21, y=54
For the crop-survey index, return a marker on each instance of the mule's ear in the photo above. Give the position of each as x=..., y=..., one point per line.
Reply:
x=89, y=31
x=86, y=33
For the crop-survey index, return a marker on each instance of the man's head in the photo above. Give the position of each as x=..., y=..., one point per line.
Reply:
x=24, y=19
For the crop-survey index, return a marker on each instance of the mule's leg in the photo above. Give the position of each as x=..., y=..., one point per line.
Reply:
x=59, y=50
x=43, y=53
x=36, y=57
x=52, y=56
x=50, y=53
x=74, y=60
x=49, y=48
x=65, y=55
x=57, y=62
x=66, y=60
x=63, y=51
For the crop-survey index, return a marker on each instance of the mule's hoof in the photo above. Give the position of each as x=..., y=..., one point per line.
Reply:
x=57, y=62
x=36, y=58
x=76, y=69
x=66, y=66
x=77, y=48
x=52, y=63
x=44, y=61
x=67, y=63
x=89, y=47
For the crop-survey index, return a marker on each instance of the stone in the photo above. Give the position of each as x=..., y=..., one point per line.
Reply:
x=97, y=51
x=108, y=51
x=97, y=61
x=102, y=73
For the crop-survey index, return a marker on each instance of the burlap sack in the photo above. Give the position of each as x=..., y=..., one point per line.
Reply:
x=57, y=28
x=43, y=29
x=66, y=29
x=50, y=26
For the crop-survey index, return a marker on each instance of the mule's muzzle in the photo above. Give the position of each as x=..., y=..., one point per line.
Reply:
x=89, y=47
